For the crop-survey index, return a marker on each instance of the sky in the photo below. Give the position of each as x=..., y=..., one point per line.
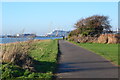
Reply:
x=43, y=17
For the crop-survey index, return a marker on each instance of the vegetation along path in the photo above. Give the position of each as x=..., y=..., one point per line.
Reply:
x=76, y=62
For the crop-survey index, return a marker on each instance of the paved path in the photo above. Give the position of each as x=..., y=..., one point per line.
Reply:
x=76, y=62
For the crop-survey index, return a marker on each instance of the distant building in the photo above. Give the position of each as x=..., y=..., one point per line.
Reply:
x=18, y=36
x=29, y=35
x=25, y=35
x=58, y=33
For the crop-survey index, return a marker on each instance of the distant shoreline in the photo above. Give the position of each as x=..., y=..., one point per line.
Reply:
x=16, y=40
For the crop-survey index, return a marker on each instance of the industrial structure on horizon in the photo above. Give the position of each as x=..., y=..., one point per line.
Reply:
x=19, y=36
x=58, y=33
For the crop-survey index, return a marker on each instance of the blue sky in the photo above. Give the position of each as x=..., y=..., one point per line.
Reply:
x=43, y=17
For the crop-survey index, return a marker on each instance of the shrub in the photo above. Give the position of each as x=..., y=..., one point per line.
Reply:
x=17, y=53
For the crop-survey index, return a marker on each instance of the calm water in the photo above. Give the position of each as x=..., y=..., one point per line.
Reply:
x=10, y=40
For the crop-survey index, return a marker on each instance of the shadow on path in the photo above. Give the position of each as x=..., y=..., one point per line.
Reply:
x=67, y=67
x=76, y=62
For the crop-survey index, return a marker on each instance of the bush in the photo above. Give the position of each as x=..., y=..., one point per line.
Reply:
x=92, y=26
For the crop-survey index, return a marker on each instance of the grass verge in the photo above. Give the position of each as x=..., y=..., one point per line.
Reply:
x=44, y=57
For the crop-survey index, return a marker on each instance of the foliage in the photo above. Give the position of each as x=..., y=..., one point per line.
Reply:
x=11, y=71
x=75, y=32
x=92, y=26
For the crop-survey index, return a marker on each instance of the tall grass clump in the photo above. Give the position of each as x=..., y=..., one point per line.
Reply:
x=29, y=59
x=17, y=53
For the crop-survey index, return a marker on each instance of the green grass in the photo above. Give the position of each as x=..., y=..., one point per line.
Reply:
x=108, y=51
x=44, y=55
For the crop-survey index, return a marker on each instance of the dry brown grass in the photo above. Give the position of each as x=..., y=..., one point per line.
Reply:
x=17, y=53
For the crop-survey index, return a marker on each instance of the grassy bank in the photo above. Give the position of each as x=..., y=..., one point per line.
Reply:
x=42, y=60
x=108, y=51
